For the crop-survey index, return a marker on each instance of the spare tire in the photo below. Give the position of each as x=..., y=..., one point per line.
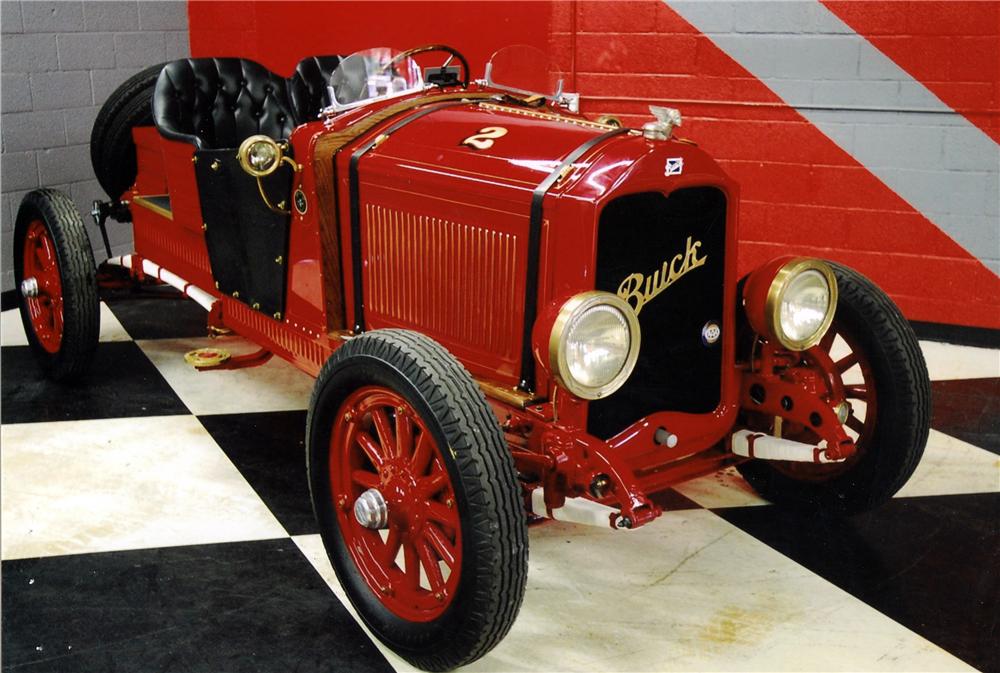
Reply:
x=112, y=150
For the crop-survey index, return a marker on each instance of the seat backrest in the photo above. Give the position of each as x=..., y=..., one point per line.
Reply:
x=219, y=102
x=308, y=86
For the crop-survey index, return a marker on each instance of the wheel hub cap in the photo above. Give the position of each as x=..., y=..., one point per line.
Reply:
x=29, y=287
x=371, y=510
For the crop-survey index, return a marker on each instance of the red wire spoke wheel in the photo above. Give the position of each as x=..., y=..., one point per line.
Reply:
x=55, y=275
x=417, y=498
x=885, y=382
x=412, y=558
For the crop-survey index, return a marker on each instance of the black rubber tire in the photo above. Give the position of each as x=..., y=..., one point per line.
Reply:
x=112, y=149
x=902, y=422
x=75, y=261
x=493, y=523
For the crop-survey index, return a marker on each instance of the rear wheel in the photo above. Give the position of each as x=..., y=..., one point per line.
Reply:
x=417, y=498
x=55, y=275
x=112, y=149
x=875, y=354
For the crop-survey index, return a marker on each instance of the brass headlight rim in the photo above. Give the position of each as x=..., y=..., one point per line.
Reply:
x=244, y=155
x=574, y=307
x=776, y=292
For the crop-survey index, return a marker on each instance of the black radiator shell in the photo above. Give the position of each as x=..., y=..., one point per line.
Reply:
x=676, y=370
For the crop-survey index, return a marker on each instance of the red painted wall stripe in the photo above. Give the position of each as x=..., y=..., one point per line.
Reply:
x=801, y=192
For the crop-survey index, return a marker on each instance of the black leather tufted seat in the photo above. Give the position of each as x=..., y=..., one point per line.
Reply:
x=308, y=86
x=219, y=102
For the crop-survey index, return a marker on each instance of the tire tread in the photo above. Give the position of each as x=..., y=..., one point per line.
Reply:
x=487, y=472
x=81, y=303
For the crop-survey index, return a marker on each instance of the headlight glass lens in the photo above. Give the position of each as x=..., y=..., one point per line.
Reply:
x=804, y=306
x=262, y=156
x=597, y=345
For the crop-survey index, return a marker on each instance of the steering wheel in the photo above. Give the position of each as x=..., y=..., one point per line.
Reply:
x=434, y=47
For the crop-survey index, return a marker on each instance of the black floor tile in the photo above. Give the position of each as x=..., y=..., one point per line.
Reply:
x=269, y=450
x=160, y=313
x=249, y=606
x=929, y=563
x=968, y=409
x=122, y=382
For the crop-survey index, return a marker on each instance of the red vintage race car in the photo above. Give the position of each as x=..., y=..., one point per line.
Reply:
x=512, y=311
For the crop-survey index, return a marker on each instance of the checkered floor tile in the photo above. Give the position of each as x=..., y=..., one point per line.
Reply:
x=157, y=519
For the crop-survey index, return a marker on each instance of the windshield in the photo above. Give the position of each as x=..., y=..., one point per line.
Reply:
x=523, y=69
x=373, y=74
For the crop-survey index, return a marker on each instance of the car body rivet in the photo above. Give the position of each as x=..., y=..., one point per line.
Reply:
x=438, y=595
x=449, y=503
x=216, y=165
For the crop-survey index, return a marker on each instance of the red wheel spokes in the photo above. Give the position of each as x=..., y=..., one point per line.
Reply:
x=371, y=448
x=421, y=455
x=379, y=442
x=45, y=310
x=856, y=392
x=365, y=478
x=847, y=362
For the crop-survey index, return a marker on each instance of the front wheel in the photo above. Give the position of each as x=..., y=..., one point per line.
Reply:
x=56, y=280
x=879, y=362
x=417, y=498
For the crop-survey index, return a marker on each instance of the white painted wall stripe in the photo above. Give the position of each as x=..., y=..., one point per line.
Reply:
x=937, y=161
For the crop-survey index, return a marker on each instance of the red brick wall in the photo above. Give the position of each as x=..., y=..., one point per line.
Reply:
x=801, y=192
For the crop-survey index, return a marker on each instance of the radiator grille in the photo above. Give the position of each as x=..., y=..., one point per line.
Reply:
x=456, y=281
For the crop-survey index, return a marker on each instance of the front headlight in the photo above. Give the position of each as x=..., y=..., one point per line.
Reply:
x=594, y=344
x=801, y=302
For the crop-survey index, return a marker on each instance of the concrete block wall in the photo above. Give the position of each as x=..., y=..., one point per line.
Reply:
x=60, y=61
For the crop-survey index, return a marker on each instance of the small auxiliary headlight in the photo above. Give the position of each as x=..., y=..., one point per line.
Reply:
x=259, y=155
x=594, y=344
x=801, y=302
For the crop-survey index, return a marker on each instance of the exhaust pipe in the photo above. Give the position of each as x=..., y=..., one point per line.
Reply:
x=153, y=269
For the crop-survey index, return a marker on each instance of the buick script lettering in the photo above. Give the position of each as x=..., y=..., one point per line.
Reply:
x=638, y=289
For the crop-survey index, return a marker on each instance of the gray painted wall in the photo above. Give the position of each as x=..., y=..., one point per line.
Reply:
x=930, y=155
x=60, y=60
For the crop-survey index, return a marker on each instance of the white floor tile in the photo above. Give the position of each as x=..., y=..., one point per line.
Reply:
x=12, y=331
x=951, y=466
x=688, y=592
x=725, y=488
x=90, y=486
x=947, y=361
x=275, y=386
